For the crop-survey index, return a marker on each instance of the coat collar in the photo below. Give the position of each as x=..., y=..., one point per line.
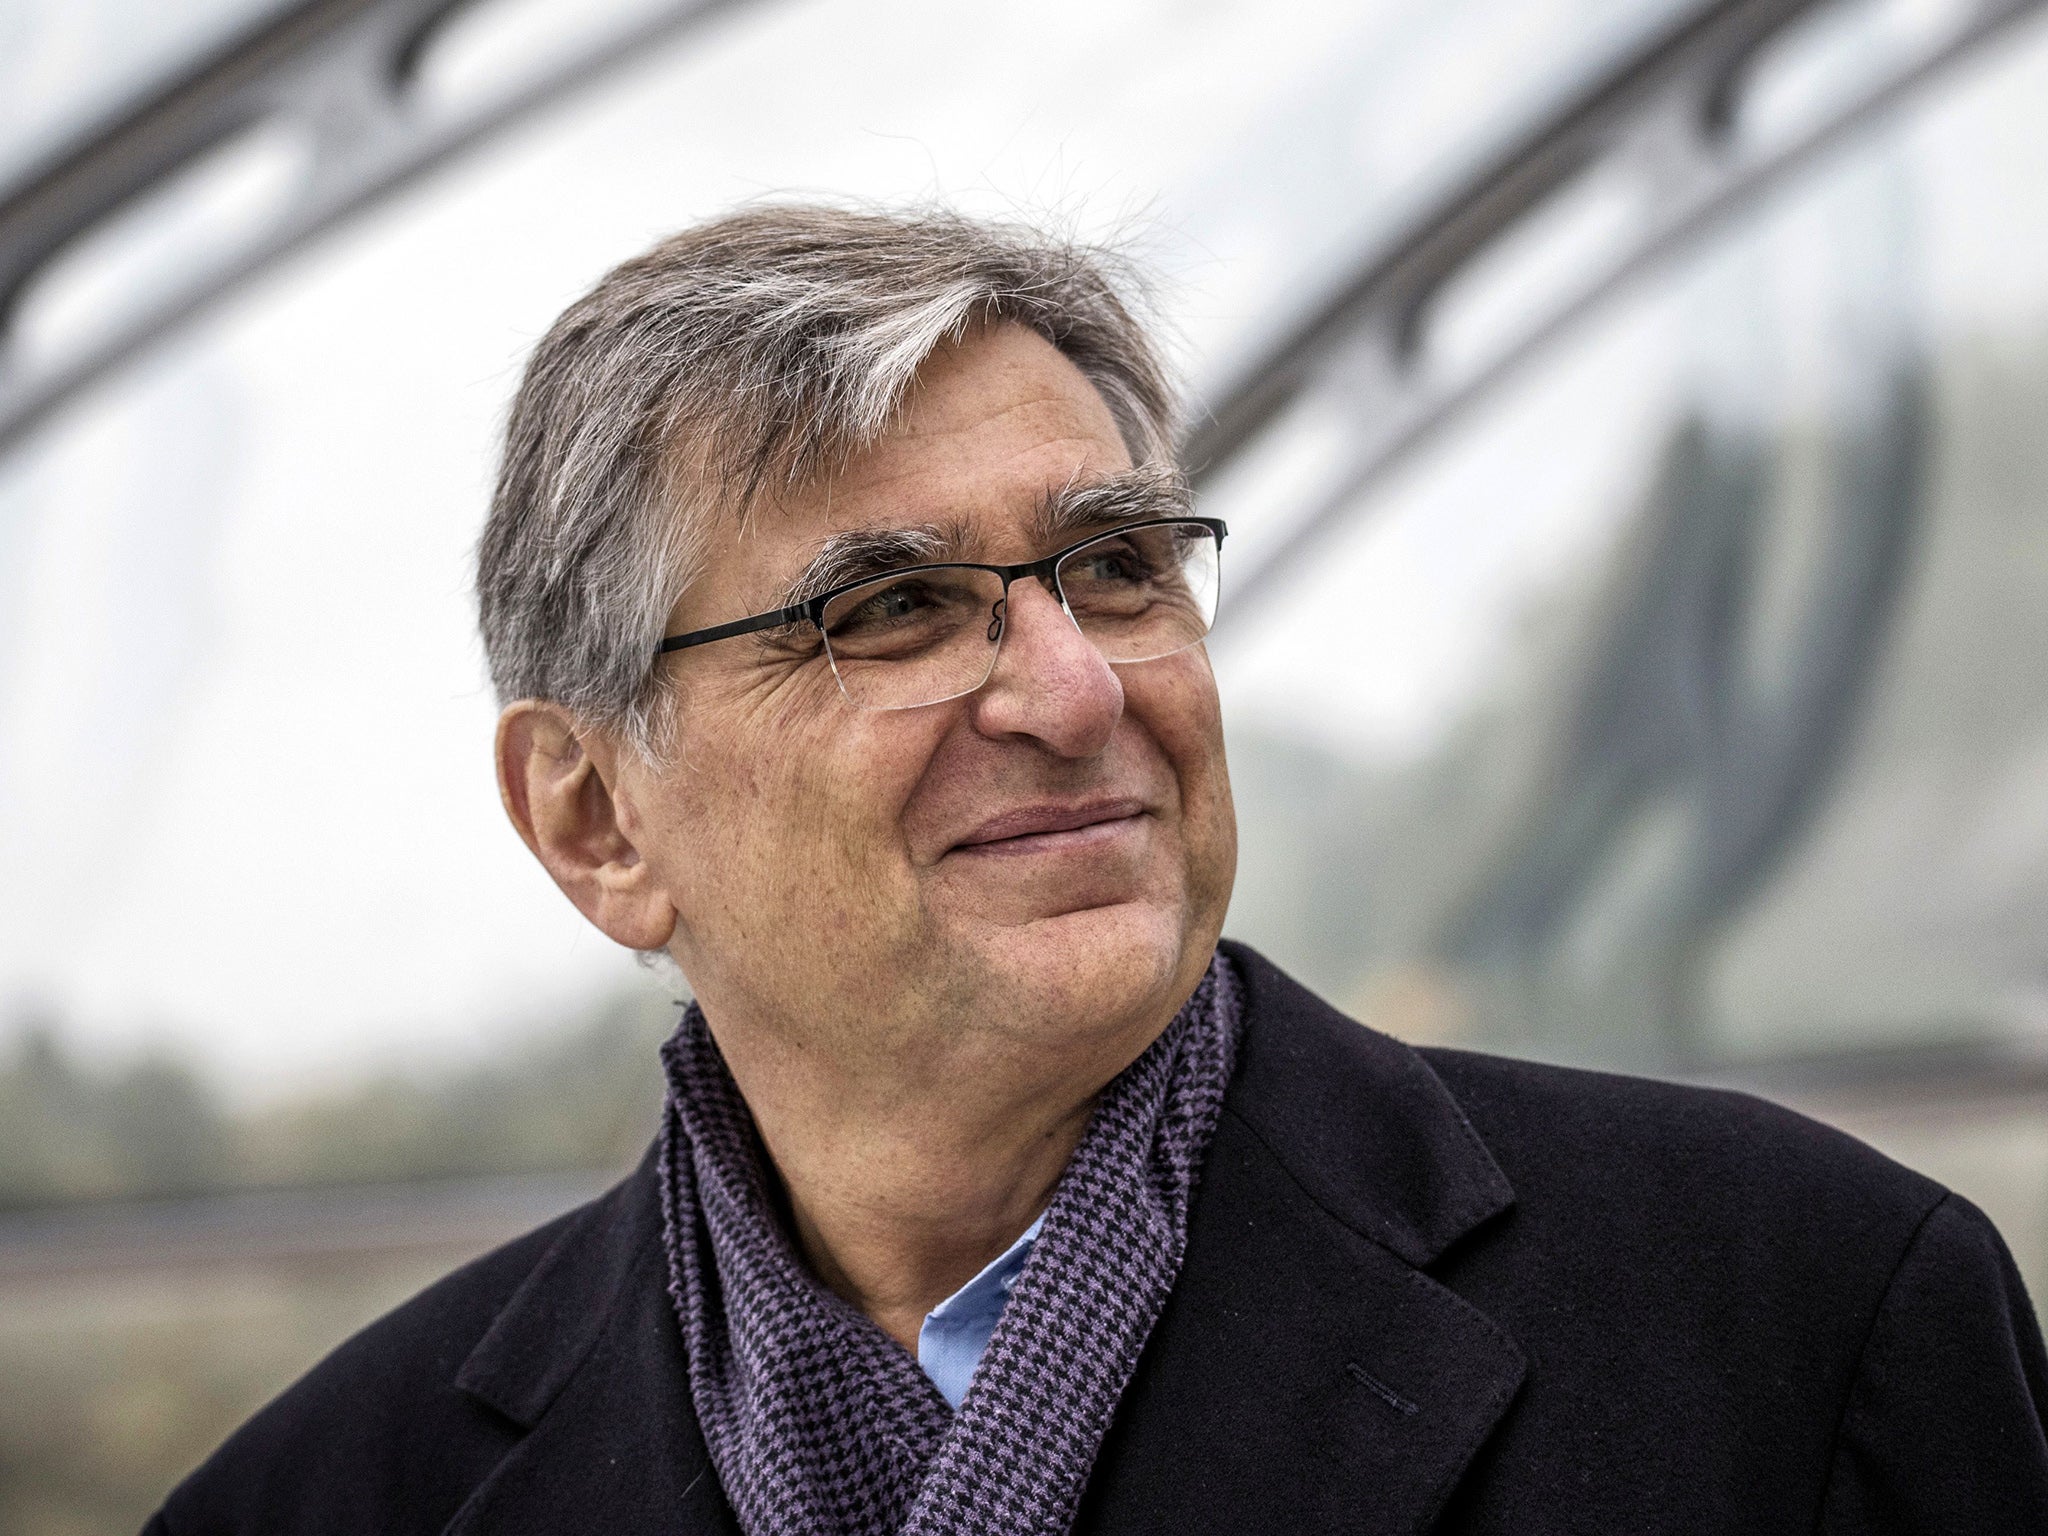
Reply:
x=1307, y=1372
x=587, y=1358
x=1358, y=1120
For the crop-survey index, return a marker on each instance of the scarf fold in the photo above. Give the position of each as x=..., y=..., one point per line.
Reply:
x=819, y=1423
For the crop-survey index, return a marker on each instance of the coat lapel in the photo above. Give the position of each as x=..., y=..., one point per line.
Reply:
x=588, y=1358
x=1307, y=1372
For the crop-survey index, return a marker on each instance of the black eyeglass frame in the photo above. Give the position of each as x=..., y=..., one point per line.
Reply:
x=812, y=609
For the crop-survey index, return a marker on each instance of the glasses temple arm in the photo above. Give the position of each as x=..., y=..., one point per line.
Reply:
x=760, y=621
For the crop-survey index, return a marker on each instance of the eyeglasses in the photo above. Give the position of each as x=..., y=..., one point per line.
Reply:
x=928, y=633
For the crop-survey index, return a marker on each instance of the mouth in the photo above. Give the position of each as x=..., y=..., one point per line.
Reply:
x=1051, y=828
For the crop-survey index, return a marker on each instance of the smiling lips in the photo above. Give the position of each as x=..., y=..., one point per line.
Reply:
x=1050, y=828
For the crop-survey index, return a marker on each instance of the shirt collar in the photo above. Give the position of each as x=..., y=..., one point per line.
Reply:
x=956, y=1332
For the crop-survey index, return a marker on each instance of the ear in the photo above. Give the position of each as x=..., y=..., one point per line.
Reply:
x=557, y=778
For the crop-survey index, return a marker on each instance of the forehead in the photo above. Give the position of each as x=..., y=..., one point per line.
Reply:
x=1003, y=406
x=990, y=427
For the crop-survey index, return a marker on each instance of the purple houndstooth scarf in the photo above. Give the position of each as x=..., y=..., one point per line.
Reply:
x=819, y=1423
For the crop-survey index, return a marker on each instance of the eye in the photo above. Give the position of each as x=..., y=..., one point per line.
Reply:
x=1111, y=563
x=1117, y=564
x=896, y=603
x=873, y=607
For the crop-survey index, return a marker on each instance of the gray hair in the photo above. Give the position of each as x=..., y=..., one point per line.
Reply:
x=754, y=352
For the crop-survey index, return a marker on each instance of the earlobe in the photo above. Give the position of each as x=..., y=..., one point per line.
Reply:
x=553, y=780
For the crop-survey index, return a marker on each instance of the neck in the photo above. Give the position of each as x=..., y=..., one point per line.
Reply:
x=899, y=1194
x=896, y=1229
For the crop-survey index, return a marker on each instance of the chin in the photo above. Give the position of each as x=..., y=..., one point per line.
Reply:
x=1105, y=969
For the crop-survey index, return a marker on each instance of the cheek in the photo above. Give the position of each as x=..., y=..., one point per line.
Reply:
x=1178, y=707
x=1175, y=701
x=802, y=812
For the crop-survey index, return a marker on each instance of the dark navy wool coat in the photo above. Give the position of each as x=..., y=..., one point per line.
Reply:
x=1424, y=1291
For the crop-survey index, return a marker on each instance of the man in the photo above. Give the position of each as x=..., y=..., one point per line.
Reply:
x=848, y=609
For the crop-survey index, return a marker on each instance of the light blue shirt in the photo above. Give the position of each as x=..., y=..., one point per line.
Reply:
x=957, y=1330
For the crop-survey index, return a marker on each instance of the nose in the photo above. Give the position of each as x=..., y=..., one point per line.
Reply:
x=1049, y=683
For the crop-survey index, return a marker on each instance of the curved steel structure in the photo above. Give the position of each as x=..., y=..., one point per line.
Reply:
x=339, y=76
x=1664, y=128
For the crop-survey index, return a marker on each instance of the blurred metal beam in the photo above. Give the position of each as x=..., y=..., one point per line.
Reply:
x=1663, y=125
x=338, y=73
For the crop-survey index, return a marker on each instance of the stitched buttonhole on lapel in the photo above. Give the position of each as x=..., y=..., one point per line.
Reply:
x=1380, y=1389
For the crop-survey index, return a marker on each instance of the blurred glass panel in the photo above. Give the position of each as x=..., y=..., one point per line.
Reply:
x=1696, y=701
x=1368, y=127
x=1826, y=59
x=108, y=276
x=67, y=64
x=487, y=50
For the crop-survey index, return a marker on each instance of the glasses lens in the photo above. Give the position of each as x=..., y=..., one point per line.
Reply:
x=1143, y=593
x=915, y=637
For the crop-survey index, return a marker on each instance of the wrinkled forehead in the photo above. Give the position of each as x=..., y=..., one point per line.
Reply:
x=1002, y=449
x=992, y=426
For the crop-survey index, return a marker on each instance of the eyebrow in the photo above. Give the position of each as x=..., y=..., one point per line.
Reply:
x=861, y=552
x=1074, y=510
x=1129, y=496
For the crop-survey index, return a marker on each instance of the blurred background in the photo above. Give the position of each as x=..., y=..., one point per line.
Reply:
x=1632, y=417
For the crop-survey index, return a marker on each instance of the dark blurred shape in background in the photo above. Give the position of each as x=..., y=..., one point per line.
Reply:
x=571, y=1095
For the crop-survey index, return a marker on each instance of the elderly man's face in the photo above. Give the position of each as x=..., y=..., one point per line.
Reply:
x=1053, y=851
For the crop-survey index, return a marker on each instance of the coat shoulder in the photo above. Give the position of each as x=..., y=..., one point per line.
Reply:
x=379, y=1428
x=1574, y=1168
x=1717, y=1206
x=1730, y=1309
x=1563, y=1132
